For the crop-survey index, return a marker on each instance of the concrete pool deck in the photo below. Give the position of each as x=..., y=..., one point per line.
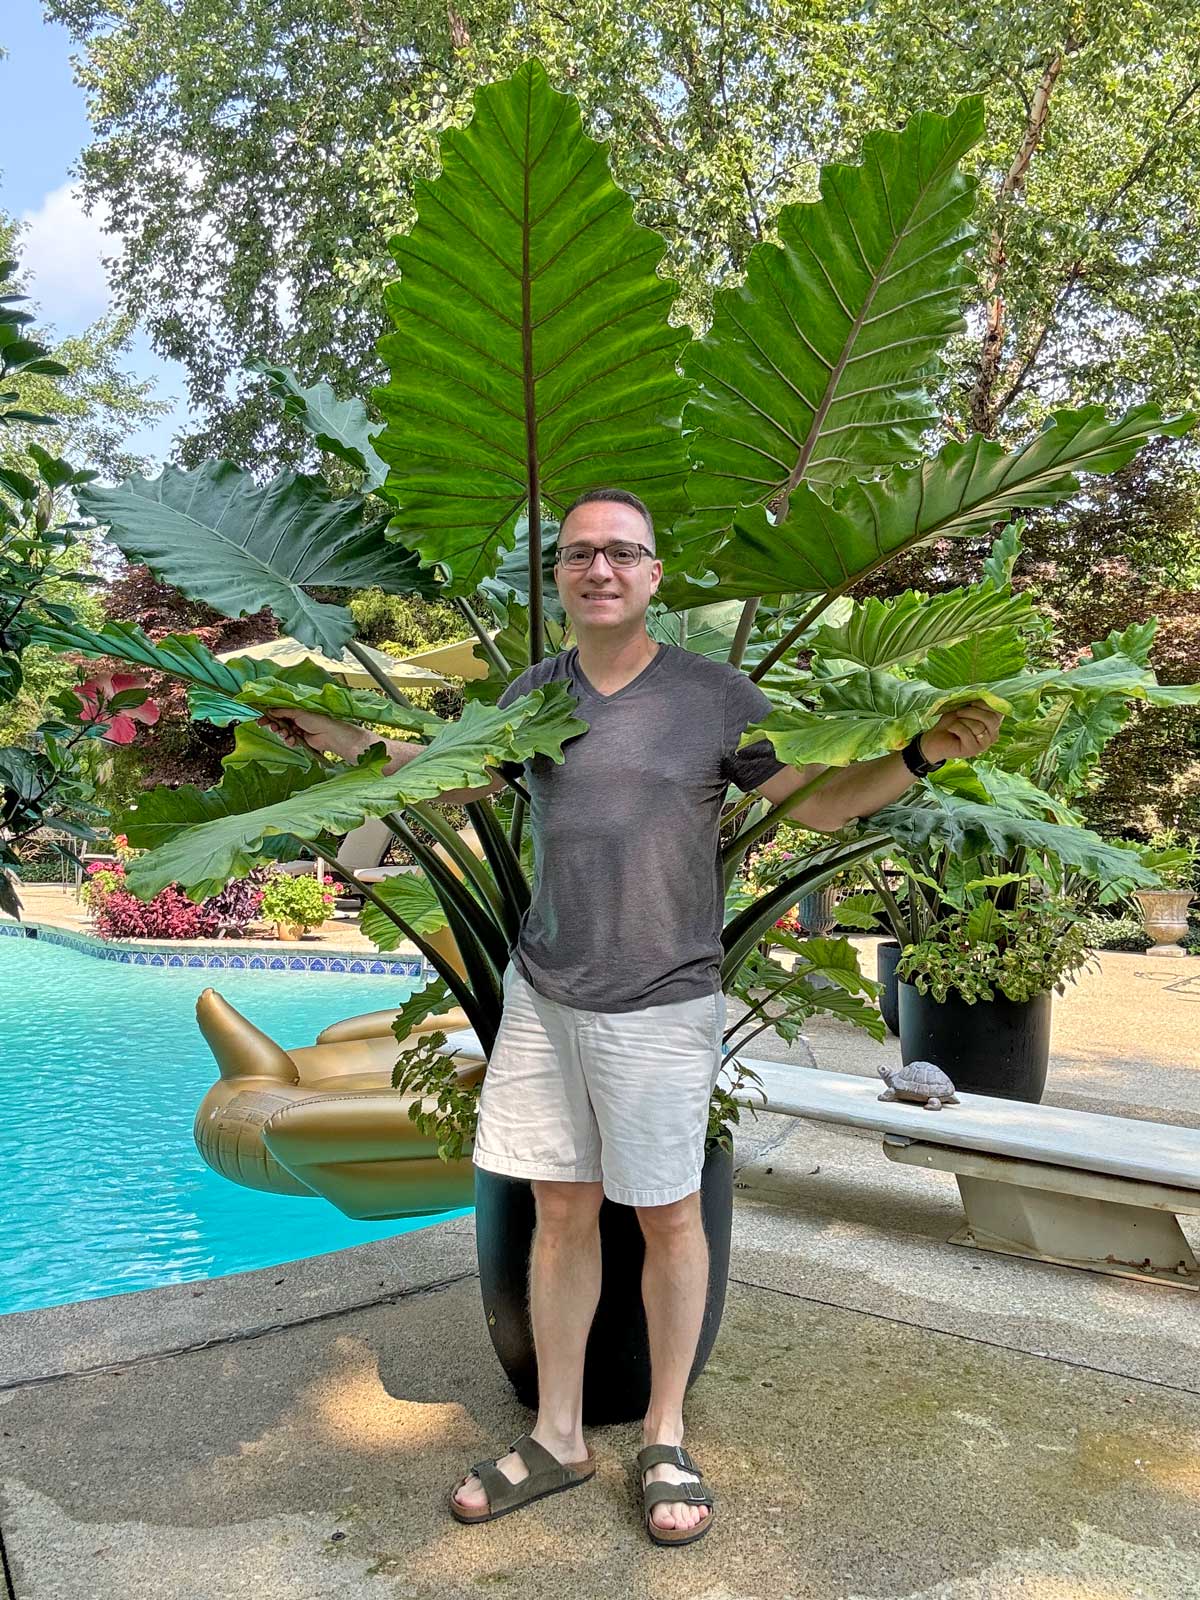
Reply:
x=884, y=1415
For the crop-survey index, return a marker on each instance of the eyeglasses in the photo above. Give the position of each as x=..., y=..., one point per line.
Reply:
x=577, y=557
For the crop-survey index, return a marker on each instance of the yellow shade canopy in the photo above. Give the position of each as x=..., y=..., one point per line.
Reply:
x=288, y=652
x=455, y=660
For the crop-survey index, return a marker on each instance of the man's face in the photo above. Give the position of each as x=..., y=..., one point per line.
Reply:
x=604, y=596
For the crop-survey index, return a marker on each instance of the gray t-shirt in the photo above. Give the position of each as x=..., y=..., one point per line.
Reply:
x=628, y=901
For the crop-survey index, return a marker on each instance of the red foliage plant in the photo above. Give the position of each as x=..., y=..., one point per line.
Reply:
x=170, y=915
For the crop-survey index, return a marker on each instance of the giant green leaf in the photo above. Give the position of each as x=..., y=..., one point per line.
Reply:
x=986, y=783
x=242, y=826
x=817, y=365
x=995, y=653
x=829, y=545
x=412, y=896
x=222, y=538
x=340, y=426
x=336, y=700
x=870, y=712
x=165, y=817
x=1173, y=694
x=532, y=357
x=1107, y=675
x=867, y=715
x=885, y=633
x=181, y=655
x=967, y=828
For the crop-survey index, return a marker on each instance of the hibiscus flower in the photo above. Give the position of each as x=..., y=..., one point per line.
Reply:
x=95, y=695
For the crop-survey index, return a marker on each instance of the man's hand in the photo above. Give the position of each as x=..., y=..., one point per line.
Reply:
x=962, y=733
x=319, y=732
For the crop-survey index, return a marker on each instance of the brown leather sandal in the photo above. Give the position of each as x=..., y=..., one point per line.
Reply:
x=654, y=1494
x=547, y=1475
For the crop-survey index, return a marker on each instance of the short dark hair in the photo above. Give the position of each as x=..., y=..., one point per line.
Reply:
x=620, y=497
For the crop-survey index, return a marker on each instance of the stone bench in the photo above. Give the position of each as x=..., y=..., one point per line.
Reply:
x=1077, y=1188
x=1073, y=1187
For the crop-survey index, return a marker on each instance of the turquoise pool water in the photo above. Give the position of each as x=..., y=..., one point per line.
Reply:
x=101, y=1070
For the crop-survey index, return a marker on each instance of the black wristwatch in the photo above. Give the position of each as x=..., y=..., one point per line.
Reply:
x=916, y=762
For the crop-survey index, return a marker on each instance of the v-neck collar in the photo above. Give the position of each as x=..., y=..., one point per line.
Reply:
x=589, y=688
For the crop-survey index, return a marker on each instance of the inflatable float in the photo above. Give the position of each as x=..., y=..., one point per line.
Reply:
x=323, y=1120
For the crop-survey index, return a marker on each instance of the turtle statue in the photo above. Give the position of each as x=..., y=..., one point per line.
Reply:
x=919, y=1082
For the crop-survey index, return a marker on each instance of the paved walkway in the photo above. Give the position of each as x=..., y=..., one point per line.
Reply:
x=884, y=1417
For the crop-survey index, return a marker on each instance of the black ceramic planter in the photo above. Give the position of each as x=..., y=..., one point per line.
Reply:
x=616, y=1378
x=998, y=1047
x=886, y=956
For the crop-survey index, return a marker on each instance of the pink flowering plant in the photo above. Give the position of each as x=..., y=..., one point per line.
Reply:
x=114, y=703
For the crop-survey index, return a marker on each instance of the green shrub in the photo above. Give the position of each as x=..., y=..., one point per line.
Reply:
x=302, y=900
x=1114, y=933
x=43, y=872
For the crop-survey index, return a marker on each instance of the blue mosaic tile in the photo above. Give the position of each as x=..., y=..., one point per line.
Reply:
x=339, y=961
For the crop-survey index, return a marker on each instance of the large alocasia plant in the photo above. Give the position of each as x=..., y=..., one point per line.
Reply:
x=532, y=356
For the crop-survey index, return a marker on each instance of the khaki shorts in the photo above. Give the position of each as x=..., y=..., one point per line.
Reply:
x=584, y=1096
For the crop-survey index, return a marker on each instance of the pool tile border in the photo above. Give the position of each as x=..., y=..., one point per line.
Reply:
x=345, y=962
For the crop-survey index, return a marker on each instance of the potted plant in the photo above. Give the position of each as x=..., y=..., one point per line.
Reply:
x=824, y=976
x=1172, y=857
x=469, y=459
x=295, y=904
x=971, y=832
x=975, y=993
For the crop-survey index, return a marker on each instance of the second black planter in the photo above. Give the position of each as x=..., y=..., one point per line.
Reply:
x=886, y=956
x=616, y=1378
x=998, y=1047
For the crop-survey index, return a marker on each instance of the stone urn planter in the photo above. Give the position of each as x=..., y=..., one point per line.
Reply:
x=1164, y=917
x=817, y=912
x=288, y=930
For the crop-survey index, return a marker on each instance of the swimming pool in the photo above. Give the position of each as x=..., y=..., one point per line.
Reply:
x=101, y=1070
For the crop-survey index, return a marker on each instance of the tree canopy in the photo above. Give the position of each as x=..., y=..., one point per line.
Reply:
x=256, y=158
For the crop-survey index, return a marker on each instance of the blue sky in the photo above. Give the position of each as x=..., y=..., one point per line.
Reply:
x=43, y=128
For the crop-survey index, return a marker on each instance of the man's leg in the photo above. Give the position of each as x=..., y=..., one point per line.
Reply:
x=674, y=1286
x=564, y=1290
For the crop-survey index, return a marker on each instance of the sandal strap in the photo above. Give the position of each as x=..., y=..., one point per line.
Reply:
x=500, y=1492
x=664, y=1493
x=672, y=1455
x=545, y=1471
x=540, y=1461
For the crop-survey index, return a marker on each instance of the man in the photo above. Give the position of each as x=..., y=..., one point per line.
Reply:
x=610, y=1042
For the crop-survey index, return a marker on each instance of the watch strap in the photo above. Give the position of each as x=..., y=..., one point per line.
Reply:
x=915, y=761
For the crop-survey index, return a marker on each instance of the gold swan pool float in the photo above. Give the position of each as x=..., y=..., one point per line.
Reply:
x=323, y=1119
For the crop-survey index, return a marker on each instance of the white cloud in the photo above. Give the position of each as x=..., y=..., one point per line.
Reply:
x=63, y=248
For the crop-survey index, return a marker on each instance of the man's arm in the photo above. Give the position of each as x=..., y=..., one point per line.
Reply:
x=328, y=736
x=866, y=786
